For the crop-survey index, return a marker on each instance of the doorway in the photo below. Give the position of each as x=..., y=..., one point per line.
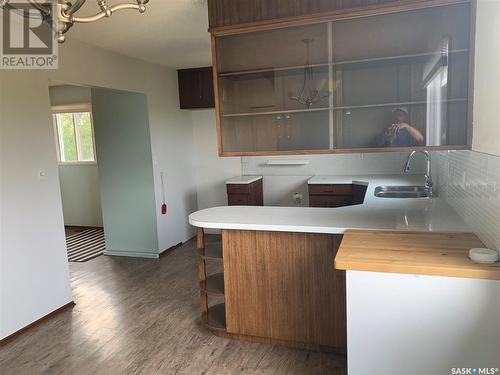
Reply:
x=105, y=171
x=78, y=171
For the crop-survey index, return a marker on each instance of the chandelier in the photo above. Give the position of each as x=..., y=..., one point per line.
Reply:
x=65, y=12
x=309, y=94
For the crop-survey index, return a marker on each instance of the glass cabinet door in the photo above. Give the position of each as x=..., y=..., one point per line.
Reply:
x=394, y=80
x=274, y=90
x=402, y=79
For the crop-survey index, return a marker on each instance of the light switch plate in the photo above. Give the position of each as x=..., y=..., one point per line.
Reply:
x=42, y=174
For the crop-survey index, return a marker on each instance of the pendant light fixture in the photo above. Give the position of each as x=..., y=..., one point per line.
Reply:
x=65, y=12
x=309, y=94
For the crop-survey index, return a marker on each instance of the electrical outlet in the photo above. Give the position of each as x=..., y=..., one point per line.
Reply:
x=297, y=198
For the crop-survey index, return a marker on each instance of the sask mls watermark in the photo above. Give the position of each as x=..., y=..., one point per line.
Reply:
x=27, y=37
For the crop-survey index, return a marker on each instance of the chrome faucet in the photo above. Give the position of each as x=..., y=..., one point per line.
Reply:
x=429, y=185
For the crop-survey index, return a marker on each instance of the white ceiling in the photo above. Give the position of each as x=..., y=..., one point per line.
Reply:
x=171, y=32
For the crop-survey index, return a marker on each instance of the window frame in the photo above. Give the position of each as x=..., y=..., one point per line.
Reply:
x=73, y=108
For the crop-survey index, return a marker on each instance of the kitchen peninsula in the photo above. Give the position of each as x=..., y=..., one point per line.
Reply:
x=280, y=284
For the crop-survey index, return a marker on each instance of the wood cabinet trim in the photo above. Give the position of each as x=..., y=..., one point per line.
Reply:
x=218, y=113
x=337, y=15
x=343, y=151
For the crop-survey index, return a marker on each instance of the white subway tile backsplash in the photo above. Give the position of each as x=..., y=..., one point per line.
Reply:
x=470, y=183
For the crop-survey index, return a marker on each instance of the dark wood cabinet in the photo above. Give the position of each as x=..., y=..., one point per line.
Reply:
x=223, y=13
x=336, y=195
x=245, y=194
x=196, y=88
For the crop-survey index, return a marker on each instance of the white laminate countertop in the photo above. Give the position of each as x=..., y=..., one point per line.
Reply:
x=338, y=180
x=243, y=180
x=428, y=215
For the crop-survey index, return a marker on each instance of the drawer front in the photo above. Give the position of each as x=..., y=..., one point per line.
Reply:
x=330, y=201
x=238, y=188
x=238, y=199
x=330, y=189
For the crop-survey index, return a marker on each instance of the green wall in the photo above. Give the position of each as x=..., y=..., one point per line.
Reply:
x=123, y=144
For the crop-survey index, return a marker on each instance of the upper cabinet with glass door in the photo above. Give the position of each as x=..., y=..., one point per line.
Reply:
x=374, y=83
x=262, y=97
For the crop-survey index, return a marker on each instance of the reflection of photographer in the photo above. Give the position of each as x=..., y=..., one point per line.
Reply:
x=401, y=133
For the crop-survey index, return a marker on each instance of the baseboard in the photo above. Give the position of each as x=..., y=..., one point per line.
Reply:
x=14, y=335
x=170, y=249
x=131, y=254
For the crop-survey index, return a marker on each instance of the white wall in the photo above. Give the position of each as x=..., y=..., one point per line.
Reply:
x=211, y=170
x=34, y=274
x=486, y=136
x=34, y=270
x=171, y=128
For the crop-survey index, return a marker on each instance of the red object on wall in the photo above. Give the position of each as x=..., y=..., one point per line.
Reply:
x=164, y=205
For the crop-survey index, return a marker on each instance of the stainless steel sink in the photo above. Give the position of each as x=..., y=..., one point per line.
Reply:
x=402, y=192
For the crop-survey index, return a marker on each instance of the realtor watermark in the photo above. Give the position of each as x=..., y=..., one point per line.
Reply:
x=474, y=371
x=27, y=37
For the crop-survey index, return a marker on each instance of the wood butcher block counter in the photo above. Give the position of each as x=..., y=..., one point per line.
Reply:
x=416, y=253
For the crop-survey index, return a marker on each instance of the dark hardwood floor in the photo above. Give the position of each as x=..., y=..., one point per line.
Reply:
x=135, y=316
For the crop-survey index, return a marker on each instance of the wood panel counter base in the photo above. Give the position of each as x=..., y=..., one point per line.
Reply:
x=278, y=288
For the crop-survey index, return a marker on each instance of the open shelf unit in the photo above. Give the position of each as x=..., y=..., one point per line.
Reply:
x=214, y=284
x=214, y=317
x=212, y=251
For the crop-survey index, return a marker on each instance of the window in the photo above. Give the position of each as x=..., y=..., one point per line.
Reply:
x=74, y=135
